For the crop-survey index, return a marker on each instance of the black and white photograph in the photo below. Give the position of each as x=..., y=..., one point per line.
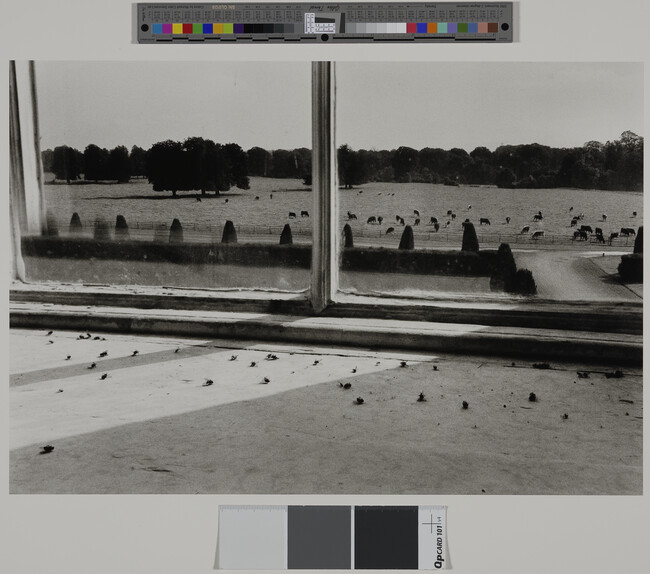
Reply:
x=525, y=200
x=248, y=274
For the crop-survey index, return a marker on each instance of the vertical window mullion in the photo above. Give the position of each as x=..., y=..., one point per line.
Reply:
x=324, y=266
x=26, y=180
x=17, y=207
x=28, y=147
x=37, y=145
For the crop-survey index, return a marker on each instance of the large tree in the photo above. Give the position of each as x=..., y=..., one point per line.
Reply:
x=47, y=157
x=138, y=161
x=432, y=162
x=404, y=161
x=201, y=165
x=96, y=163
x=119, y=166
x=351, y=167
x=284, y=164
x=457, y=161
x=196, y=164
x=67, y=163
x=480, y=169
x=236, y=166
x=303, y=161
x=259, y=162
x=505, y=178
x=631, y=167
x=165, y=168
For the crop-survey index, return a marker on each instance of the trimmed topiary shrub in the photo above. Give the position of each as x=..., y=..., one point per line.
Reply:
x=631, y=268
x=286, y=238
x=523, y=282
x=407, y=241
x=506, y=260
x=121, y=228
x=51, y=226
x=470, y=240
x=229, y=234
x=101, y=230
x=75, y=224
x=176, y=232
x=638, y=242
x=505, y=269
x=348, y=241
x=161, y=233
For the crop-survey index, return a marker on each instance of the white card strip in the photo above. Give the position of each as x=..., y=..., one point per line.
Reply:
x=433, y=552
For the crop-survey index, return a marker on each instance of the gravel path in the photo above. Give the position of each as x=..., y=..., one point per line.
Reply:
x=576, y=276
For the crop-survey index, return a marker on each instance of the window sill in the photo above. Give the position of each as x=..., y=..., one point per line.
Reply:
x=466, y=338
x=505, y=311
x=543, y=330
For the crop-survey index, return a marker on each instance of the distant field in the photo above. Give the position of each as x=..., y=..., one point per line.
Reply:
x=267, y=215
x=260, y=213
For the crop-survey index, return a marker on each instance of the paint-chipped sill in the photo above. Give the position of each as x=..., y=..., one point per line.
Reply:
x=505, y=310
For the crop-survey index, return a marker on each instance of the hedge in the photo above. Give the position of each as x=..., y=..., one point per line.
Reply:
x=499, y=266
x=261, y=254
x=420, y=261
x=631, y=268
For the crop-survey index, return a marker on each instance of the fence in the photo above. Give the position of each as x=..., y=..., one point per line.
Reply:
x=375, y=235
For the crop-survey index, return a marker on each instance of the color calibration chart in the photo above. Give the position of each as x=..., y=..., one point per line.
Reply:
x=335, y=23
x=332, y=538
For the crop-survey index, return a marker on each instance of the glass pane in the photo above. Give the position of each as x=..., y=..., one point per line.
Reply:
x=175, y=174
x=453, y=161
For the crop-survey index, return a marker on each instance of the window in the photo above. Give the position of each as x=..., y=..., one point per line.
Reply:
x=435, y=157
x=395, y=170
x=168, y=174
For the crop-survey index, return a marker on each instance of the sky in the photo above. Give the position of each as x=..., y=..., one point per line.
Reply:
x=379, y=105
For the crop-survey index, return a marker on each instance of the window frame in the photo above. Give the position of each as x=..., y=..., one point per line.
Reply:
x=27, y=214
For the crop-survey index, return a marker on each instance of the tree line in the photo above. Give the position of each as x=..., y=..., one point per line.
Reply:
x=615, y=165
x=194, y=164
x=203, y=165
x=95, y=163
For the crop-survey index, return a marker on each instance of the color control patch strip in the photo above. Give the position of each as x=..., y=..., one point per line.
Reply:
x=332, y=538
x=347, y=22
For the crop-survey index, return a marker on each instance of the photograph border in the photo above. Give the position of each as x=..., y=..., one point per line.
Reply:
x=170, y=533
